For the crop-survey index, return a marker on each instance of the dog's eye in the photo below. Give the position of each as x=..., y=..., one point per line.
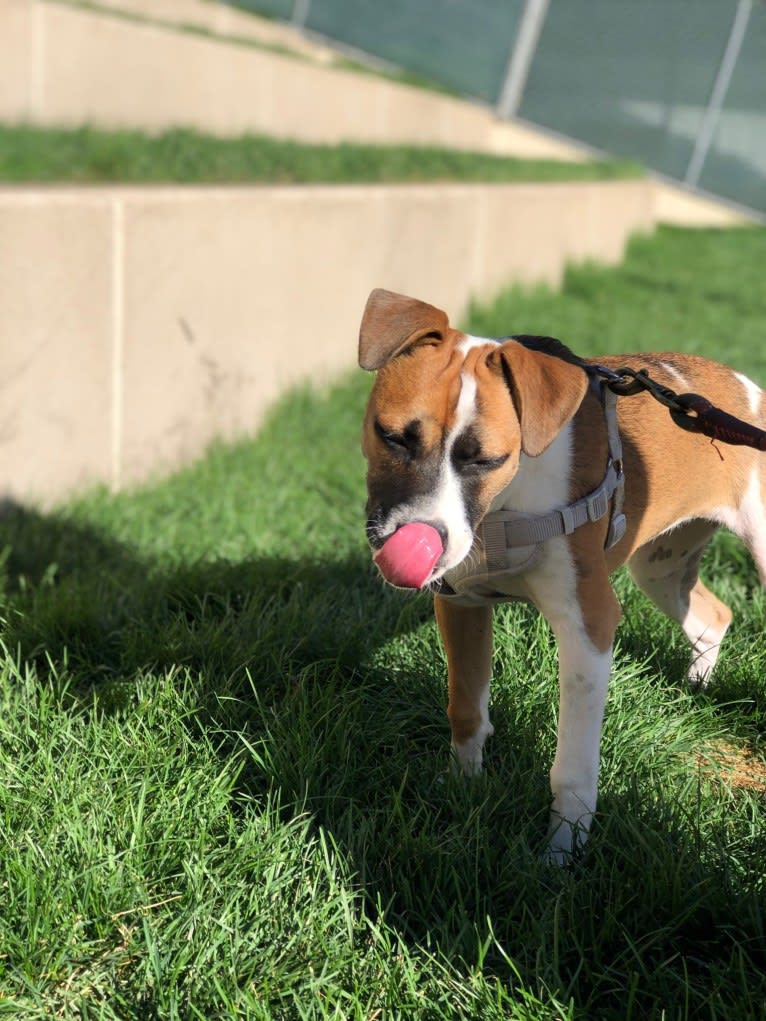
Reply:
x=467, y=455
x=490, y=464
x=481, y=464
x=404, y=442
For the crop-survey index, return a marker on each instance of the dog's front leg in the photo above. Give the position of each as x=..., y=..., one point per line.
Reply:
x=585, y=662
x=583, y=680
x=467, y=636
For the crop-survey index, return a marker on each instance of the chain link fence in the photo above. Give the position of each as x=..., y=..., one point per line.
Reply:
x=679, y=85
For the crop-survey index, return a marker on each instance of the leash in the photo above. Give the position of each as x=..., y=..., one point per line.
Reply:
x=510, y=543
x=689, y=411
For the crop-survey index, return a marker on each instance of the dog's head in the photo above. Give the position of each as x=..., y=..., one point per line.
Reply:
x=447, y=421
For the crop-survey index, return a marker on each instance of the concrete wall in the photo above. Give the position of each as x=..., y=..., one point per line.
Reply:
x=66, y=65
x=138, y=324
x=221, y=19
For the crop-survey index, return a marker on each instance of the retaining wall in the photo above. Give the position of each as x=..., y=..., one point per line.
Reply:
x=68, y=65
x=138, y=324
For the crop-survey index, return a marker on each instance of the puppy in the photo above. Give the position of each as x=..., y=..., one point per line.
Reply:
x=506, y=469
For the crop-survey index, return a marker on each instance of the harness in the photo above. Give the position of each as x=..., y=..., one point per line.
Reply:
x=508, y=543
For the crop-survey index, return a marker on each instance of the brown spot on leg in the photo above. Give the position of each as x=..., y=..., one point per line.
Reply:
x=678, y=591
x=599, y=606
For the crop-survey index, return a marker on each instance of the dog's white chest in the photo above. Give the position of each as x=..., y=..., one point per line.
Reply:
x=493, y=571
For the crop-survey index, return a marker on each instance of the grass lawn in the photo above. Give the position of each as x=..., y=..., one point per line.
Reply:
x=89, y=156
x=224, y=752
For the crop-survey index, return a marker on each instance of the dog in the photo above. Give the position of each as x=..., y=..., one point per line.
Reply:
x=503, y=469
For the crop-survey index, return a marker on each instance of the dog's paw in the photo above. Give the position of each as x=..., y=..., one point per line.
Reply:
x=467, y=756
x=566, y=842
x=556, y=857
x=698, y=679
x=467, y=763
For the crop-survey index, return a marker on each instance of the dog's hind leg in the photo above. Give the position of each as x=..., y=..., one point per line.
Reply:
x=750, y=521
x=667, y=571
x=467, y=636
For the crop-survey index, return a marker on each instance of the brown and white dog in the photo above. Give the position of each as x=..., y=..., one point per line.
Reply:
x=460, y=428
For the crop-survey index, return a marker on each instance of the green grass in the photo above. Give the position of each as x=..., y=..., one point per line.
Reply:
x=697, y=291
x=89, y=155
x=224, y=756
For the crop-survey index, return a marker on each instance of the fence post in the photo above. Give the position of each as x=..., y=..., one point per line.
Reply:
x=718, y=95
x=520, y=59
x=300, y=13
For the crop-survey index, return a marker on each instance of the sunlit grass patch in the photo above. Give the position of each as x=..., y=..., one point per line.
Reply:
x=90, y=155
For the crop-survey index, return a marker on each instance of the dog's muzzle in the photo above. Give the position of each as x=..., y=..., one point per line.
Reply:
x=408, y=557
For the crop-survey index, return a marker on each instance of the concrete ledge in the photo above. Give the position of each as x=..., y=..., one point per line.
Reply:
x=66, y=65
x=227, y=22
x=673, y=203
x=138, y=324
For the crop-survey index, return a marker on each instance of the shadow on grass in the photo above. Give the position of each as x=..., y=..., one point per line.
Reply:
x=76, y=596
x=301, y=658
x=296, y=668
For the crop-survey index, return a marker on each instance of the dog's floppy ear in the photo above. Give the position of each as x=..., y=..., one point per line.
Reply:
x=393, y=322
x=546, y=392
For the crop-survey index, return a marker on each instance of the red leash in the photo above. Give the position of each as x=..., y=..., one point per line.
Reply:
x=689, y=411
x=717, y=424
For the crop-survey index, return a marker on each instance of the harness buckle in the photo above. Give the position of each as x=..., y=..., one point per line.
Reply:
x=617, y=528
x=568, y=518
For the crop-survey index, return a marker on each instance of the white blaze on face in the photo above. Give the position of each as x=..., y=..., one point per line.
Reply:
x=445, y=506
x=465, y=345
x=449, y=504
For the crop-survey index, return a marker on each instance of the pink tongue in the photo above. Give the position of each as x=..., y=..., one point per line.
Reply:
x=408, y=556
